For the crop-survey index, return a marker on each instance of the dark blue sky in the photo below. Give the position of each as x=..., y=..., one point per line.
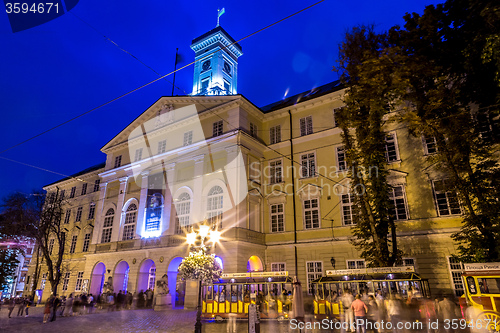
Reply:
x=56, y=71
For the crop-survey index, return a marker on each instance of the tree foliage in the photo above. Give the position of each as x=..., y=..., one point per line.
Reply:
x=200, y=266
x=38, y=217
x=442, y=68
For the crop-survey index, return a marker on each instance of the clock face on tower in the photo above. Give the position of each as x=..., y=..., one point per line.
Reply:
x=206, y=65
x=227, y=68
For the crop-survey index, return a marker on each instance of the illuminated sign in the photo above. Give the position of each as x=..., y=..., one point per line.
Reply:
x=253, y=274
x=373, y=270
x=487, y=266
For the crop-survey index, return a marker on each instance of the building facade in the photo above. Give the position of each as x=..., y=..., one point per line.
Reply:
x=273, y=180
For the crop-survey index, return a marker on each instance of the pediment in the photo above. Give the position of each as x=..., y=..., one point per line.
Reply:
x=310, y=191
x=276, y=197
x=396, y=177
x=163, y=113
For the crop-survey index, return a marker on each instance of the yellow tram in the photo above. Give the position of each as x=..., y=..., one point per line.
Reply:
x=389, y=281
x=480, y=303
x=272, y=292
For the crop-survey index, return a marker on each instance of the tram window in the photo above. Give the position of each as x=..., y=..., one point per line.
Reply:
x=228, y=293
x=209, y=292
x=240, y=292
x=489, y=286
x=234, y=298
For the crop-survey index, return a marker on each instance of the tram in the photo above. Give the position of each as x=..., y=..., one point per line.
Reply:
x=389, y=281
x=272, y=292
x=480, y=303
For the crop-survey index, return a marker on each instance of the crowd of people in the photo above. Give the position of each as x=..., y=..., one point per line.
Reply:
x=371, y=310
x=82, y=304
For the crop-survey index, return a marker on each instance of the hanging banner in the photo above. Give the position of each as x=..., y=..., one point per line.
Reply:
x=154, y=203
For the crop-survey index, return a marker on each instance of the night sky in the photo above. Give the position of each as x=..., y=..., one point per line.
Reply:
x=68, y=66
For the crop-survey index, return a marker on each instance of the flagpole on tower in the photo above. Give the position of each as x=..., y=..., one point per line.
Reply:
x=219, y=14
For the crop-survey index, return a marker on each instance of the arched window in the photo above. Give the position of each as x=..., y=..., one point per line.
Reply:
x=107, y=227
x=152, y=277
x=214, y=206
x=129, y=225
x=183, y=208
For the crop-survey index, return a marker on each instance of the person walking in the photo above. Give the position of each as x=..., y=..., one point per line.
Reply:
x=373, y=315
x=12, y=305
x=29, y=302
x=359, y=309
x=55, y=306
x=63, y=306
x=22, y=305
x=48, y=309
x=69, y=305
x=347, y=300
x=395, y=312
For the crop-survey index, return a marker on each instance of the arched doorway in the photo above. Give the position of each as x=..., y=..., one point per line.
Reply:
x=120, y=277
x=254, y=264
x=176, y=285
x=97, y=280
x=147, y=276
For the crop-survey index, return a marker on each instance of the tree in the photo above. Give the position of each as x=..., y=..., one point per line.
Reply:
x=8, y=265
x=38, y=217
x=443, y=68
x=367, y=100
x=200, y=266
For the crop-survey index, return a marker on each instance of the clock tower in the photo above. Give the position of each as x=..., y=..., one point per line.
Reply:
x=216, y=63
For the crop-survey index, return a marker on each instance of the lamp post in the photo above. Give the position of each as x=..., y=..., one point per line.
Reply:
x=205, y=235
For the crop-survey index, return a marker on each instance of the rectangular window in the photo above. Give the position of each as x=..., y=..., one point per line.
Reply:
x=188, y=138
x=278, y=267
x=456, y=269
x=78, y=217
x=355, y=264
x=86, y=243
x=79, y=281
x=138, y=155
x=275, y=134
x=308, y=163
x=254, y=130
x=106, y=235
x=84, y=188
x=118, y=161
x=217, y=128
x=397, y=203
x=73, y=192
x=91, y=211
x=204, y=85
x=348, y=209
x=162, y=146
x=341, y=161
x=227, y=87
x=446, y=198
x=277, y=218
x=96, y=185
x=408, y=262
x=51, y=245
x=65, y=281
x=430, y=145
x=311, y=214
x=73, y=244
x=276, y=171
x=67, y=216
x=306, y=126
x=314, y=271
x=391, y=148
x=63, y=192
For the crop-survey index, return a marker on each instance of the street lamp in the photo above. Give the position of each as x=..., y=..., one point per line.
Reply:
x=205, y=234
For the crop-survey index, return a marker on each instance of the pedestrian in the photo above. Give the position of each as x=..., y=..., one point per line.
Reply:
x=22, y=306
x=373, y=315
x=395, y=311
x=83, y=303
x=55, y=306
x=111, y=302
x=63, y=306
x=359, y=309
x=119, y=301
x=48, y=308
x=346, y=301
x=129, y=300
x=140, y=299
x=12, y=305
x=231, y=323
x=29, y=302
x=69, y=305
x=446, y=311
x=91, y=303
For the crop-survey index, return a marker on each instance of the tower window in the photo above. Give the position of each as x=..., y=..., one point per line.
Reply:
x=204, y=85
x=227, y=86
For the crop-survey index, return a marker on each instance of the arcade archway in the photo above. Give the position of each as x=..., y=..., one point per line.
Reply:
x=97, y=280
x=254, y=264
x=176, y=285
x=120, y=277
x=147, y=276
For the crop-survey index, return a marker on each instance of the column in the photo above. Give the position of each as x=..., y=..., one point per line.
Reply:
x=119, y=214
x=197, y=205
x=141, y=210
x=168, y=221
x=99, y=218
x=235, y=176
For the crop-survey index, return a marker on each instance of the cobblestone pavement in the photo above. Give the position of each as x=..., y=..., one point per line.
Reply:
x=172, y=321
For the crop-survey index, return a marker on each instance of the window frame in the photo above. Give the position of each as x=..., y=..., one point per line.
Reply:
x=396, y=147
x=338, y=152
x=162, y=146
x=426, y=143
x=107, y=226
x=130, y=222
x=72, y=247
x=392, y=202
x=279, y=265
x=79, y=212
x=73, y=192
x=67, y=216
x=276, y=171
x=217, y=128
x=436, y=203
x=254, y=130
x=91, y=214
x=97, y=184
x=352, y=211
x=84, y=189
x=188, y=139
x=138, y=155
x=306, y=125
x=79, y=281
x=277, y=214
x=275, y=134
x=118, y=161
x=311, y=209
x=86, y=242
x=356, y=263
x=313, y=275
x=307, y=169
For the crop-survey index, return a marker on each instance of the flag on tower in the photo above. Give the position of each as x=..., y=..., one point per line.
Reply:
x=219, y=14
